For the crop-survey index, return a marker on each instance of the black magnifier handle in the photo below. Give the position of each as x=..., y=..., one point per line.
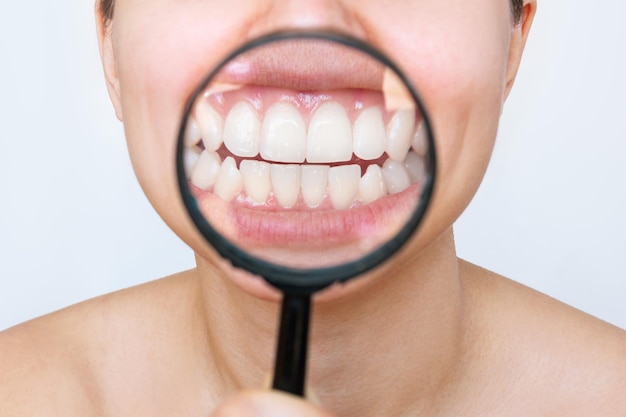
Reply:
x=291, y=354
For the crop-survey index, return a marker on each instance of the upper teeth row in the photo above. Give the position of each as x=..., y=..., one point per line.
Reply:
x=282, y=136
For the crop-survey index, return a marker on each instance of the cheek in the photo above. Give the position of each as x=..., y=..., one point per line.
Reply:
x=460, y=73
x=457, y=60
x=464, y=96
x=163, y=50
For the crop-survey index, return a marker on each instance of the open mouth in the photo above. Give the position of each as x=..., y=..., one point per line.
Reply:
x=278, y=150
x=306, y=155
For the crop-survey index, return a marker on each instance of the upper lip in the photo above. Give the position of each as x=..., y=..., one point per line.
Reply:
x=305, y=65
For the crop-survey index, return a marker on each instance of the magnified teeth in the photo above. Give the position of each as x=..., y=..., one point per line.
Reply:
x=372, y=184
x=242, y=130
x=343, y=185
x=314, y=184
x=419, y=140
x=192, y=134
x=330, y=135
x=396, y=176
x=414, y=165
x=369, y=134
x=229, y=182
x=400, y=132
x=283, y=134
x=281, y=162
x=206, y=169
x=210, y=126
x=286, y=183
x=256, y=179
x=190, y=160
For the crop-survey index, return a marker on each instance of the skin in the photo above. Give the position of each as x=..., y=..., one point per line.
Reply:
x=442, y=338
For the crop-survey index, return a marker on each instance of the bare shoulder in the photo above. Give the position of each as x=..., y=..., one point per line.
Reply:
x=37, y=376
x=566, y=361
x=63, y=364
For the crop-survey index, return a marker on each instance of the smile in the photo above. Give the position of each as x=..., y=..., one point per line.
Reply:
x=314, y=150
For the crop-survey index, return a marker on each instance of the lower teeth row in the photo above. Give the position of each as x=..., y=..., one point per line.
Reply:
x=344, y=185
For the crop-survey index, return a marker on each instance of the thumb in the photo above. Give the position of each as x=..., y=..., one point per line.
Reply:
x=268, y=404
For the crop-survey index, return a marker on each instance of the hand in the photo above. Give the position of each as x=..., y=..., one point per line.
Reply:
x=268, y=404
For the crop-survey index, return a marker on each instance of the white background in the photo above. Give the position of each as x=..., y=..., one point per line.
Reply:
x=74, y=223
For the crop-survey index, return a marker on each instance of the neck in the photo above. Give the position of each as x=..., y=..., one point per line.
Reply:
x=396, y=334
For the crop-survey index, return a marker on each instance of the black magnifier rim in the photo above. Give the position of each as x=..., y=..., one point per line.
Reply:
x=295, y=280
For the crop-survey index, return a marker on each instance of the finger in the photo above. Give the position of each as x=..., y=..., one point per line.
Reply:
x=268, y=404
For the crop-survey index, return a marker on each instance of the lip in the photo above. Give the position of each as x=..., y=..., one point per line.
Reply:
x=302, y=237
x=305, y=65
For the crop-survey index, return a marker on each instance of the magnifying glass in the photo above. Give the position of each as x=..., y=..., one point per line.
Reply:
x=305, y=158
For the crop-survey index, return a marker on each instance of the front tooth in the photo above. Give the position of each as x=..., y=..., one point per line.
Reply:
x=400, y=134
x=285, y=183
x=396, y=176
x=419, y=140
x=343, y=185
x=314, y=184
x=372, y=185
x=242, y=130
x=205, y=172
x=256, y=179
x=192, y=134
x=369, y=134
x=229, y=181
x=211, y=126
x=330, y=135
x=414, y=165
x=283, y=134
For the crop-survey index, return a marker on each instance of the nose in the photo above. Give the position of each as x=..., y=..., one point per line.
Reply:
x=308, y=14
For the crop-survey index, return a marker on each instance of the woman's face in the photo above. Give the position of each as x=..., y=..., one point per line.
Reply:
x=462, y=57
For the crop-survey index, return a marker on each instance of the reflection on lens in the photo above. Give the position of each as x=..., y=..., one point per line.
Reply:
x=306, y=153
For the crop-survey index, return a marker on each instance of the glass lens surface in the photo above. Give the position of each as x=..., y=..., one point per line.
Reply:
x=305, y=153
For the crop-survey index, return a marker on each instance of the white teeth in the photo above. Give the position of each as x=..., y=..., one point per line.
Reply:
x=192, y=134
x=242, y=130
x=372, y=185
x=210, y=125
x=283, y=138
x=330, y=135
x=229, y=181
x=286, y=183
x=414, y=165
x=396, y=176
x=419, y=140
x=314, y=184
x=283, y=134
x=190, y=159
x=206, y=170
x=369, y=134
x=256, y=179
x=343, y=185
x=400, y=133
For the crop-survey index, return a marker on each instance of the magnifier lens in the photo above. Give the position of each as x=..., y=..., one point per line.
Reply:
x=305, y=153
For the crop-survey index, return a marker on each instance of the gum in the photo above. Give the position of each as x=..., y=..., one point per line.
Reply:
x=262, y=98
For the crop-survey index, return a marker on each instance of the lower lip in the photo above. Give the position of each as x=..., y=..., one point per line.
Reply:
x=304, y=237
